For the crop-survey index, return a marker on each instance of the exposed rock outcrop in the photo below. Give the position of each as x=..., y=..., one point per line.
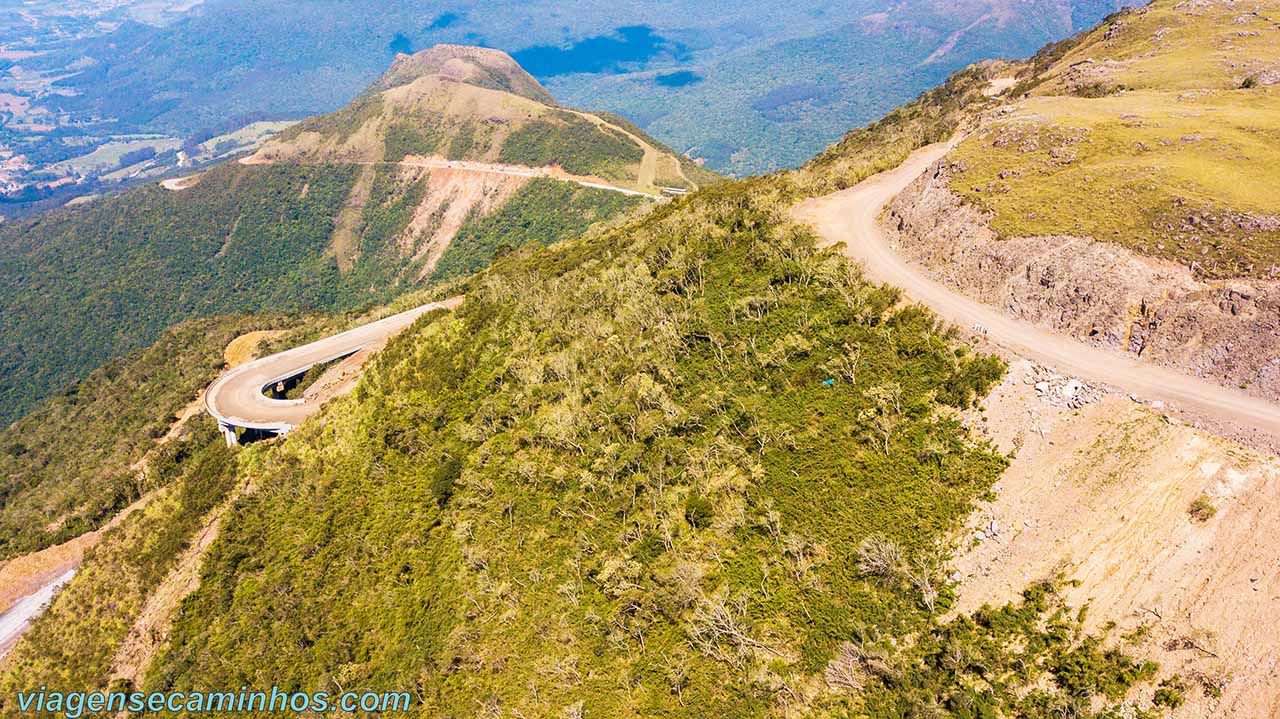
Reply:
x=1228, y=331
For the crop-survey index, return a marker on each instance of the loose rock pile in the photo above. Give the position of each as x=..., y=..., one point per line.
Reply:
x=1059, y=391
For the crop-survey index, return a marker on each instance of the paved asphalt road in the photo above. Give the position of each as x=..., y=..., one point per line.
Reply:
x=236, y=397
x=850, y=218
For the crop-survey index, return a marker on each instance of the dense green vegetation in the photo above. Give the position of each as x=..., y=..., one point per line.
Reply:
x=573, y=142
x=882, y=145
x=70, y=465
x=674, y=468
x=416, y=138
x=544, y=211
x=79, y=287
x=73, y=643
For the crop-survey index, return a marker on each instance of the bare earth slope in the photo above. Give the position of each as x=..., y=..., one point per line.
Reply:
x=1097, y=292
x=1124, y=194
x=850, y=217
x=1103, y=495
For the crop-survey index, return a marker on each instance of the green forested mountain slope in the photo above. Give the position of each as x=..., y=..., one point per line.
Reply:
x=73, y=463
x=80, y=286
x=690, y=467
x=686, y=466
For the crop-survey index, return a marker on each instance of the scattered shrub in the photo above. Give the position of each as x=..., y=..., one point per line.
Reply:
x=442, y=482
x=1171, y=693
x=879, y=557
x=1202, y=509
x=698, y=511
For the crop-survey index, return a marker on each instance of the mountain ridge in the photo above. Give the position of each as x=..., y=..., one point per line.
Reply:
x=484, y=67
x=464, y=103
x=316, y=220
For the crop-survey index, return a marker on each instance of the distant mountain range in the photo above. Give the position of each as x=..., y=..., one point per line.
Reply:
x=99, y=94
x=454, y=154
x=686, y=463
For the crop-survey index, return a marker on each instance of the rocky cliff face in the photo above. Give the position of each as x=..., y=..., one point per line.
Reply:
x=1228, y=331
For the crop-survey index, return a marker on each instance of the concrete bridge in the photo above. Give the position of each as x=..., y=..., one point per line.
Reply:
x=237, y=399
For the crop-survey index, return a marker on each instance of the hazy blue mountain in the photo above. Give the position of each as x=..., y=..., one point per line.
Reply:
x=780, y=80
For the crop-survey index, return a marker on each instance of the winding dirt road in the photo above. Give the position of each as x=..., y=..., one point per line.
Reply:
x=441, y=163
x=15, y=621
x=850, y=218
x=520, y=171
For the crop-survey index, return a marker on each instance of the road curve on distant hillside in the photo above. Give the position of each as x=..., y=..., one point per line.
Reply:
x=236, y=400
x=520, y=171
x=440, y=163
x=850, y=218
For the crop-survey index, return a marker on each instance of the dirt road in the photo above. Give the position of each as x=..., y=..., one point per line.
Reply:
x=17, y=618
x=850, y=217
x=432, y=162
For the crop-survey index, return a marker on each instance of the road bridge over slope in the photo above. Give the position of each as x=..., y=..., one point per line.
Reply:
x=237, y=400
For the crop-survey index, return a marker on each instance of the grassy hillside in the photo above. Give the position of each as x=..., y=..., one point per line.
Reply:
x=1156, y=131
x=466, y=103
x=478, y=66
x=81, y=286
x=70, y=465
x=77, y=460
x=691, y=453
